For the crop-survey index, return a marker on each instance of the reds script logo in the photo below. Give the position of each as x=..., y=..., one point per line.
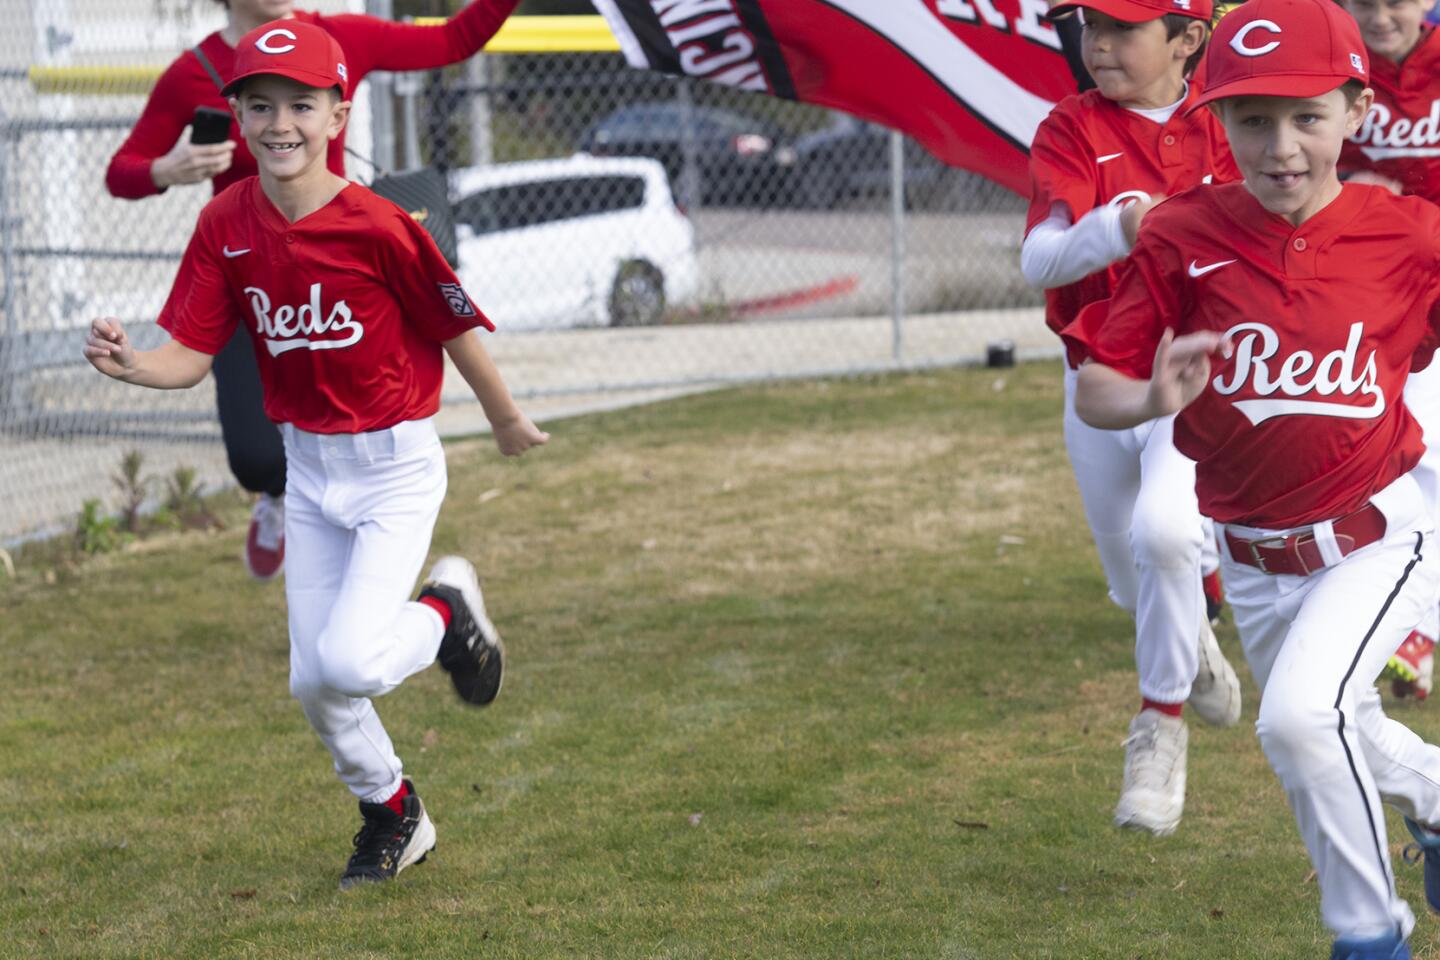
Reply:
x=290, y=328
x=1257, y=343
x=1381, y=137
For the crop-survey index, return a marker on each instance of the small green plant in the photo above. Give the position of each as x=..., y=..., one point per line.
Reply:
x=185, y=501
x=133, y=488
x=95, y=532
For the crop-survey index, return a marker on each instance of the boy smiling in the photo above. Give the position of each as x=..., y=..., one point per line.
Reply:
x=352, y=310
x=1279, y=318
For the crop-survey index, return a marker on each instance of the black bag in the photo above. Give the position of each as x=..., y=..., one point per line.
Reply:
x=423, y=194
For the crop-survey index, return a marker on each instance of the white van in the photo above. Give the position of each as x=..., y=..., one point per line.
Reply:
x=583, y=241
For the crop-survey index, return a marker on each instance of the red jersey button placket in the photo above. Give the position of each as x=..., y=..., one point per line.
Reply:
x=1170, y=153
x=1299, y=258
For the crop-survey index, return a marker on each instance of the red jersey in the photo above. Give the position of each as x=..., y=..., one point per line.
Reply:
x=369, y=43
x=1305, y=422
x=1091, y=151
x=347, y=306
x=1400, y=137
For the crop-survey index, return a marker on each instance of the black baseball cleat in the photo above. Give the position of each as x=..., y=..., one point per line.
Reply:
x=471, y=651
x=389, y=842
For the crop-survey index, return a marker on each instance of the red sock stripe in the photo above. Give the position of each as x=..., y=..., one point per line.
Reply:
x=397, y=802
x=440, y=607
x=1169, y=709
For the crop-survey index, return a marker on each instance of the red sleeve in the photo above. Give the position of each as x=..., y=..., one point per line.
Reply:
x=1124, y=334
x=428, y=291
x=160, y=124
x=372, y=43
x=200, y=312
x=1061, y=171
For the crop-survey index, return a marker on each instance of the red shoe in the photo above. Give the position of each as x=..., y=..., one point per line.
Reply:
x=1214, y=596
x=265, y=544
x=1411, y=671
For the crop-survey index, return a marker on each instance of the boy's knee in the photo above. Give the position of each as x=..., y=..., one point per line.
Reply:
x=1168, y=539
x=1300, y=735
x=342, y=673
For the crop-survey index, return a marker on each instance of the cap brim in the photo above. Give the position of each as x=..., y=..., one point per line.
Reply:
x=1298, y=86
x=307, y=77
x=1119, y=9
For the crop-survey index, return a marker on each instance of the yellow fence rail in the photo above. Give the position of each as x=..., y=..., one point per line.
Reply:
x=584, y=34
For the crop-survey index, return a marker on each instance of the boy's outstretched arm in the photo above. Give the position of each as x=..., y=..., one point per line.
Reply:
x=170, y=366
x=514, y=433
x=1107, y=399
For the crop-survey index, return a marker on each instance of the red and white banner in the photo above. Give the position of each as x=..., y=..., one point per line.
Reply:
x=969, y=79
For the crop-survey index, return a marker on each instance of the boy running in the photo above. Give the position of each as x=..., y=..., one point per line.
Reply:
x=1098, y=163
x=1279, y=318
x=351, y=309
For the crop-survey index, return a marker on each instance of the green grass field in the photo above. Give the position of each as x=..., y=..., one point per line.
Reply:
x=809, y=670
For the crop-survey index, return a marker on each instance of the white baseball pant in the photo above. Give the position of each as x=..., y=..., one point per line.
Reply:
x=1139, y=497
x=1422, y=397
x=1315, y=646
x=359, y=511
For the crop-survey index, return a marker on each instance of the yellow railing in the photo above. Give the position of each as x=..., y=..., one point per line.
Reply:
x=518, y=35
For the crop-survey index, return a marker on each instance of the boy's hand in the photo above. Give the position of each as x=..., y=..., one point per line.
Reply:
x=518, y=434
x=108, y=349
x=191, y=162
x=1133, y=213
x=1182, y=368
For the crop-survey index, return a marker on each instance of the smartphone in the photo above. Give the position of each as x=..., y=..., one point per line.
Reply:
x=210, y=125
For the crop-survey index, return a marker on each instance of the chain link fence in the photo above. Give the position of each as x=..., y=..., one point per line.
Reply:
x=626, y=231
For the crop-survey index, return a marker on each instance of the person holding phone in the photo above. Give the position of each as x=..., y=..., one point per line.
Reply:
x=171, y=146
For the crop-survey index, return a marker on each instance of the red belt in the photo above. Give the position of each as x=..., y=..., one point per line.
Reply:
x=1298, y=553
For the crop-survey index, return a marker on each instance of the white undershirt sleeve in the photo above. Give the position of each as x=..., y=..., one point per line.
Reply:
x=1057, y=252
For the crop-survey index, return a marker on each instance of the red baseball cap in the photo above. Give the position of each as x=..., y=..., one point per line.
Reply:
x=1138, y=11
x=1283, y=48
x=290, y=48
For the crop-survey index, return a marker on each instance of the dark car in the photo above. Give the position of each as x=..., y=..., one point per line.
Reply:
x=711, y=155
x=851, y=158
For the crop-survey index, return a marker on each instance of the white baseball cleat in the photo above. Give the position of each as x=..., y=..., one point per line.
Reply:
x=1154, y=793
x=1215, y=692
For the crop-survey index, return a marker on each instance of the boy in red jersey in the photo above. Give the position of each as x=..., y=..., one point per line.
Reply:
x=1098, y=163
x=1279, y=318
x=158, y=154
x=1398, y=146
x=352, y=309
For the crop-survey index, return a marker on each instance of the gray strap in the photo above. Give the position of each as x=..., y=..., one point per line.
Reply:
x=209, y=67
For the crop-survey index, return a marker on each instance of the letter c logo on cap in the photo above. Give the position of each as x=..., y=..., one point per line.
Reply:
x=263, y=44
x=1237, y=42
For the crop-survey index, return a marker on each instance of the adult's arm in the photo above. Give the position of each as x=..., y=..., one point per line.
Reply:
x=376, y=44
x=161, y=122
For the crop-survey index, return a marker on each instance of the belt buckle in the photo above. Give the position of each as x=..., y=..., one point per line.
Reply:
x=1254, y=548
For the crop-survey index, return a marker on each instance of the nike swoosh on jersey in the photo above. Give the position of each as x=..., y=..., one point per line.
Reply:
x=1108, y=157
x=233, y=253
x=1198, y=271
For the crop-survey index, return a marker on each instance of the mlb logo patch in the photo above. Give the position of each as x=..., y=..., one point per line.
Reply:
x=343, y=73
x=456, y=299
x=1182, y=4
x=1356, y=62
